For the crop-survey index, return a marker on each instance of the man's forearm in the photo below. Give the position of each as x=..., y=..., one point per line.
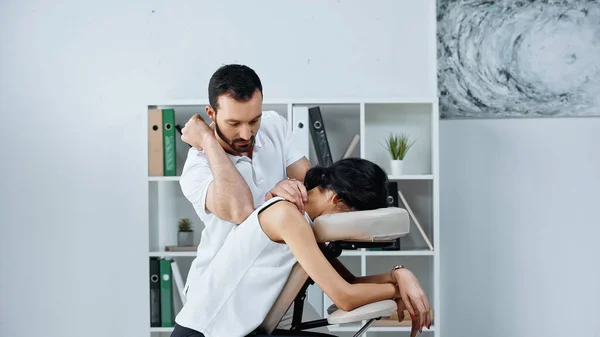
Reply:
x=231, y=197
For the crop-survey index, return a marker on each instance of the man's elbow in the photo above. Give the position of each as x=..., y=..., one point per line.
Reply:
x=230, y=211
x=239, y=215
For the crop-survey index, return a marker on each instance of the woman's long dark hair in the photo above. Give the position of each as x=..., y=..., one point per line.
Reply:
x=359, y=183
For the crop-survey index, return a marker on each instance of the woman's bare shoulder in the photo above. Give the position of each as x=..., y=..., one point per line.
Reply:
x=278, y=214
x=279, y=210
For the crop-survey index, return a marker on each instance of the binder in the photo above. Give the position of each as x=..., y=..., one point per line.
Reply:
x=319, y=137
x=155, y=143
x=170, y=161
x=166, y=294
x=392, y=201
x=180, y=285
x=155, y=317
x=300, y=128
x=179, y=130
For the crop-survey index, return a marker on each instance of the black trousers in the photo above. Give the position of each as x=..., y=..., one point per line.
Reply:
x=180, y=331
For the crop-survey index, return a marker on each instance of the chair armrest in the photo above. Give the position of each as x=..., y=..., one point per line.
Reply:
x=332, y=308
x=367, y=311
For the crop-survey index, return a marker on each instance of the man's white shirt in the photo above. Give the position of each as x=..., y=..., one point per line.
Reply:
x=273, y=152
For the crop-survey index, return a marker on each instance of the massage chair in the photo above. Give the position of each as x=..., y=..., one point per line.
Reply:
x=338, y=232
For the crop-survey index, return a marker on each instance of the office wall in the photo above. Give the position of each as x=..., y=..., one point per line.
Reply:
x=75, y=78
x=74, y=81
x=520, y=227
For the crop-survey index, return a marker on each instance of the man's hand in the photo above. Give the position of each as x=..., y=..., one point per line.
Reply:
x=412, y=298
x=196, y=131
x=291, y=190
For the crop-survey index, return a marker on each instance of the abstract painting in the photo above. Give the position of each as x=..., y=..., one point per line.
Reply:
x=518, y=58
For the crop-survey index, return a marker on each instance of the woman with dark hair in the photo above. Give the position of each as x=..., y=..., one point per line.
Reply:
x=234, y=294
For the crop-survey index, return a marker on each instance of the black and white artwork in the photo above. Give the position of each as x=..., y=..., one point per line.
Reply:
x=526, y=58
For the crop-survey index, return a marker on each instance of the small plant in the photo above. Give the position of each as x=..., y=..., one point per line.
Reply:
x=185, y=225
x=398, y=146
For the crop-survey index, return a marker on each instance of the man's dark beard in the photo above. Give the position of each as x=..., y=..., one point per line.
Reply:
x=231, y=143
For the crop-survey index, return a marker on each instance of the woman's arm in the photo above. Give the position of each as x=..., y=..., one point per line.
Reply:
x=282, y=222
x=343, y=271
x=378, y=278
x=351, y=278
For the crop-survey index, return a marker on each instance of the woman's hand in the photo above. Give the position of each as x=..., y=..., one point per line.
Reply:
x=416, y=325
x=413, y=299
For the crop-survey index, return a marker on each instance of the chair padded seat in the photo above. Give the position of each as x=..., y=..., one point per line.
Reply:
x=383, y=224
x=365, y=312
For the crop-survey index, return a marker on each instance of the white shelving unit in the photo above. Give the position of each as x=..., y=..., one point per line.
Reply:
x=373, y=120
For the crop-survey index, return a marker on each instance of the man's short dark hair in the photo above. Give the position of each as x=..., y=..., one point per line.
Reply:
x=238, y=81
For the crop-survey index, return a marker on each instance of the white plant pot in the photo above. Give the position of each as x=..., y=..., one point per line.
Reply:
x=185, y=239
x=397, y=166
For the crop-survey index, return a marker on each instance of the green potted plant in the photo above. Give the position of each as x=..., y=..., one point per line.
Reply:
x=185, y=234
x=398, y=146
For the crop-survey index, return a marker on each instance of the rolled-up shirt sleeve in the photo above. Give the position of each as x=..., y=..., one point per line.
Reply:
x=291, y=152
x=195, y=180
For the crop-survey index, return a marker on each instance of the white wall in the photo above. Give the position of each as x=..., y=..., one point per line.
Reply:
x=75, y=78
x=74, y=82
x=520, y=227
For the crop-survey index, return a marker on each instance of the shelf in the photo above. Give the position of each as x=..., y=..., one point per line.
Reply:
x=158, y=178
x=412, y=177
x=412, y=120
x=371, y=118
x=172, y=254
x=387, y=253
x=161, y=329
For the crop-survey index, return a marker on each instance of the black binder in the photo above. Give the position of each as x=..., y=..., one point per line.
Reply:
x=392, y=201
x=155, y=320
x=319, y=137
x=392, y=198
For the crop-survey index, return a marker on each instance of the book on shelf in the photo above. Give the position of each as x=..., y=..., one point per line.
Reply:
x=155, y=318
x=162, y=156
x=319, y=137
x=181, y=248
x=180, y=130
x=166, y=292
x=392, y=201
x=318, y=134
